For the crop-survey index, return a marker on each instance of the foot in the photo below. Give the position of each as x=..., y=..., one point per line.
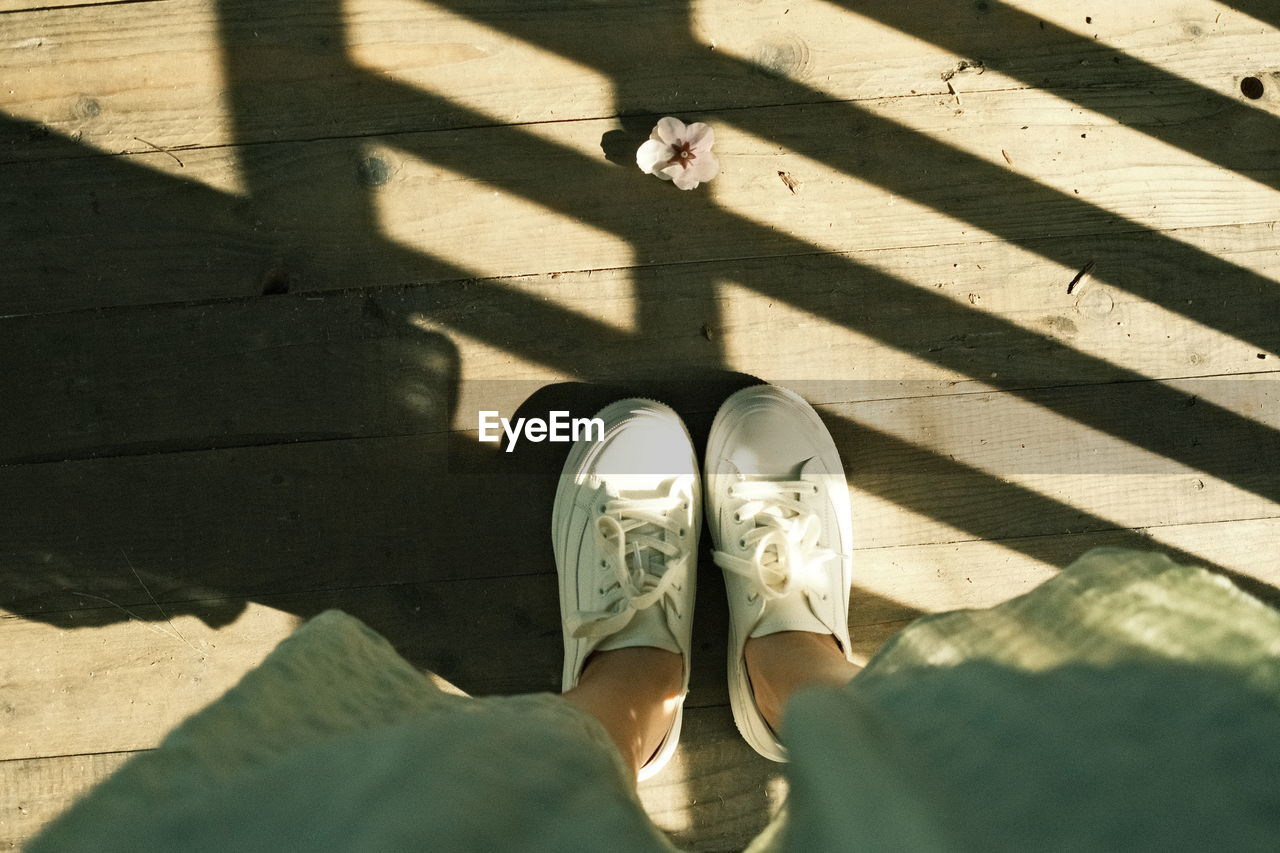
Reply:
x=778, y=512
x=625, y=532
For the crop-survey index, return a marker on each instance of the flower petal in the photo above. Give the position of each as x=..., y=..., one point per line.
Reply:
x=669, y=130
x=665, y=172
x=700, y=137
x=704, y=167
x=686, y=179
x=653, y=154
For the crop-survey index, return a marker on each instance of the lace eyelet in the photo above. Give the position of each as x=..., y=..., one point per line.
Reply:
x=603, y=565
x=742, y=543
x=602, y=508
x=682, y=531
x=737, y=518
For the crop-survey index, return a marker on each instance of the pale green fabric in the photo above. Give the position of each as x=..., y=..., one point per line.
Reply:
x=1126, y=704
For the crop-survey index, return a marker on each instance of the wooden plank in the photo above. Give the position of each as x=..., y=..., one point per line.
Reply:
x=200, y=73
x=11, y=6
x=117, y=682
x=424, y=359
x=716, y=794
x=335, y=514
x=496, y=202
x=35, y=791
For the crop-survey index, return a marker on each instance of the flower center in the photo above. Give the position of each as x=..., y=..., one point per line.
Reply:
x=683, y=155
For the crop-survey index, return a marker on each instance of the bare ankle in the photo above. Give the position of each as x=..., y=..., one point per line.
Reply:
x=780, y=664
x=633, y=693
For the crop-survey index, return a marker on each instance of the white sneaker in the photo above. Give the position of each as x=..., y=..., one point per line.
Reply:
x=779, y=516
x=625, y=529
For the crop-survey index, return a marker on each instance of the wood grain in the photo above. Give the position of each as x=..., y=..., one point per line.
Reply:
x=341, y=513
x=494, y=202
x=263, y=266
x=424, y=359
x=194, y=73
x=35, y=791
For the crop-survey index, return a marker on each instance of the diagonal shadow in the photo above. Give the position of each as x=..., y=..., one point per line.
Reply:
x=914, y=166
x=536, y=330
x=1263, y=10
x=1241, y=138
x=356, y=216
x=849, y=278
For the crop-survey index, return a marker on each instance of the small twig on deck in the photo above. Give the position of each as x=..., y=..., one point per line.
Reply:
x=162, y=151
x=788, y=181
x=156, y=603
x=1007, y=158
x=125, y=610
x=1080, y=276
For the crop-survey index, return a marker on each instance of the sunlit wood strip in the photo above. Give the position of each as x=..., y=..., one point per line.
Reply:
x=478, y=226
x=865, y=51
x=1112, y=171
x=164, y=75
x=122, y=685
x=426, y=46
x=384, y=362
x=1021, y=459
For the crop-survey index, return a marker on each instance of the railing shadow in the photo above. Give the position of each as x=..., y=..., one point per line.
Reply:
x=301, y=229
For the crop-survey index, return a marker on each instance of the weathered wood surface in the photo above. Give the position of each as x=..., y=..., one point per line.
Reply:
x=336, y=514
x=392, y=361
x=199, y=73
x=374, y=218
x=35, y=790
x=499, y=201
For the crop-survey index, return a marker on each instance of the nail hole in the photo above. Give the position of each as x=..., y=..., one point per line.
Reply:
x=1251, y=87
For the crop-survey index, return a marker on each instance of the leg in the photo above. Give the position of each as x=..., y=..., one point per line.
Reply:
x=624, y=527
x=633, y=692
x=782, y=663
x=779, y=515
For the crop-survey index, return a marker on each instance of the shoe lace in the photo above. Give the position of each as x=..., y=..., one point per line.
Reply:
x=630, y=536
x=784, y=542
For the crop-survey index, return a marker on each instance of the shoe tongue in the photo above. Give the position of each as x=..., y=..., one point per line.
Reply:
x=647, y=628
x=642, y=487
x=638, y=486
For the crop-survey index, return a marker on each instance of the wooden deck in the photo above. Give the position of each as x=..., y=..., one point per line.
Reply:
x=264, y=262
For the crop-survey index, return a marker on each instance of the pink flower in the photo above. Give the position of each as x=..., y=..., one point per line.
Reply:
x=679, y=153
